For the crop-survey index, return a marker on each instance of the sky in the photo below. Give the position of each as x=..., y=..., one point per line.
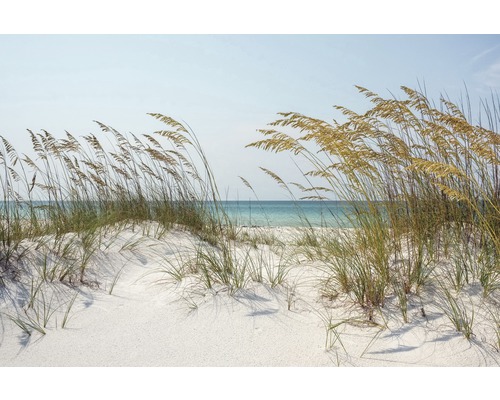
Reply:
x=225, y=87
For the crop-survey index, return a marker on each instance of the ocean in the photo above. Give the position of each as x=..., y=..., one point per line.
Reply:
x=289, y=213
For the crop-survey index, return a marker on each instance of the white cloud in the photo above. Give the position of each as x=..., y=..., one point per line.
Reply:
x=483, y=53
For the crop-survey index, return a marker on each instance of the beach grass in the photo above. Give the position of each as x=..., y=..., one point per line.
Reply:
x=424, y=185
x=61, y=199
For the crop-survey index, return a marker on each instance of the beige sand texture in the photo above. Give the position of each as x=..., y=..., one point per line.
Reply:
x=151, y=320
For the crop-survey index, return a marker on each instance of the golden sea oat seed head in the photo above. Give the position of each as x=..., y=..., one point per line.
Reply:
x=170, y=122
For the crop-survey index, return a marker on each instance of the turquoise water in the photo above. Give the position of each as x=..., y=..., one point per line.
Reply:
x=288, y=213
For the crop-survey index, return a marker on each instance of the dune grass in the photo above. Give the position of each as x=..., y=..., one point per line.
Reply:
x=76, y=190
x=65, y=195
x=424, y=185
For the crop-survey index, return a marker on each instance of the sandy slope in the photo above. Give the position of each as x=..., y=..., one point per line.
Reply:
x=144, y=323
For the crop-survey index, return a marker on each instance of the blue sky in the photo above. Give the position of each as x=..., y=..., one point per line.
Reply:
x=224, y=86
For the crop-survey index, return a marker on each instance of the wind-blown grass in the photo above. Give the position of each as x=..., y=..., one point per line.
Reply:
x=60, y=201
x=424, y=185
x=84, y=186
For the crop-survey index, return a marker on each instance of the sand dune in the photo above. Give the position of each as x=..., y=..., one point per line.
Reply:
x=151, y=320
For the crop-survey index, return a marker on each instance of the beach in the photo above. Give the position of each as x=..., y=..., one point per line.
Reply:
x=251, y=216
x=131, y=312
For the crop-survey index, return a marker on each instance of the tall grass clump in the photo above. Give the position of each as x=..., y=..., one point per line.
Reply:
x=61, y=197
x=421, y=181
x=65, y=195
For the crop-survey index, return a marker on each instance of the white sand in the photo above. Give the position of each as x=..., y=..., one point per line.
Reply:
x=150, y=322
